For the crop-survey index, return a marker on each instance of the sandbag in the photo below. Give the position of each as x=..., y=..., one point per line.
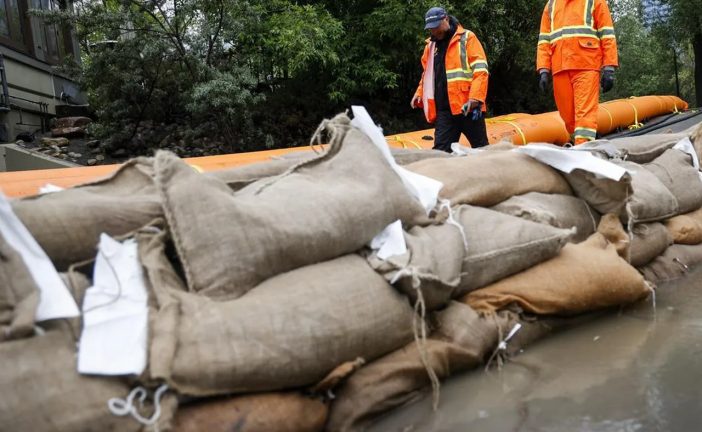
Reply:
x=408, y=156
x=239, y=177
x=560, y=211
x=322, y=209
x=611, y=228
x=675, y=170
x=68, y=224
x=19, y=295
x=639, y=197
x=686, y=228
x=645, y=148
x=677, y=261
x=648, y=241
x=488, y=178
x=43, y=391
x=500, y=245
x=584, y=277
x=289, y=331
x=433, y=262
x=461, y=342
x=281, y=412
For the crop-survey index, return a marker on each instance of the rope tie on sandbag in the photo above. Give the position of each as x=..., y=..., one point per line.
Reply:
x=501, y=349
x=653, y=295
x=446, y=204
x=124, y=407
x=419, y=329
x=336, y=132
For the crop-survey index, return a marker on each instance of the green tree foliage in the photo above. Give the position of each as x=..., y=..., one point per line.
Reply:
x=264, y=73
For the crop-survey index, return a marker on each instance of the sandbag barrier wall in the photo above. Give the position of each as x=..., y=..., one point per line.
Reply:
x=515, y=225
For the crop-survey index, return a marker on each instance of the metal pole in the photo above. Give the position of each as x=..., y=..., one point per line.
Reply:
x=3, y=77
x=677, y=79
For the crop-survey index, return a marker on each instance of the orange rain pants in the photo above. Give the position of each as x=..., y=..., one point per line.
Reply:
x=577, y=94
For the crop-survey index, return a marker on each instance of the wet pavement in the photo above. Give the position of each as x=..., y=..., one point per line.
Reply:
x=637, y=369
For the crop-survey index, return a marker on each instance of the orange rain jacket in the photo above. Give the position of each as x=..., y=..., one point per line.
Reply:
x=466, y=72
x=576, y=35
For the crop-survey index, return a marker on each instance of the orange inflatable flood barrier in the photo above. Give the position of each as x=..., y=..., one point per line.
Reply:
x=517, y=128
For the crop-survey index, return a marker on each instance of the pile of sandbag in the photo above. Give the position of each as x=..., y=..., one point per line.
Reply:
x=271, y=308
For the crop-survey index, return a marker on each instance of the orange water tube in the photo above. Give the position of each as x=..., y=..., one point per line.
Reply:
x=548, y=127
x=516, y=128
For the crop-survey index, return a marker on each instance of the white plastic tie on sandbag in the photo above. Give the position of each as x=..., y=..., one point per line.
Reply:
x=115, y=314
x=390, y=242
x=425, y=189
x=126, y=407
x=568, y=160
x=685, y=146
x=50, y=188
x=55, y=301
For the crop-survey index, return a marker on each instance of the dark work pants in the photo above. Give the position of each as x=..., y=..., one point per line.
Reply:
x=449, y=127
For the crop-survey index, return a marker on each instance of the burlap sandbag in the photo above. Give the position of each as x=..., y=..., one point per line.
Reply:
x=68, y=224
x=674, y=169
x=560, y=211
x=500, y=245
x=281, y=412
x=461, y=342
x=686, y=228
x=647, y=242
x=480, y=247
x=19, y=295
x=677, y=261
x=318, y=210
x=645, y=148
x=239, y=177
x=584, y=277
x=432, y=264
x=408, y=156
x=289, y=331
x=639, y=197
x=611, y=228
x=42, y=391
x=489, y=178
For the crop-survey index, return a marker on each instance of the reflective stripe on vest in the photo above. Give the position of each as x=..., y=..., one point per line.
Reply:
x=464, y=73
x=586, y=30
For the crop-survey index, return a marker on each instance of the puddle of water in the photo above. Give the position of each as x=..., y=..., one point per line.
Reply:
x=633, y=370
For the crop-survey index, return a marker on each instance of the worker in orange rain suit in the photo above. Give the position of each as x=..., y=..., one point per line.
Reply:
x=577, y=45
x=454, y=84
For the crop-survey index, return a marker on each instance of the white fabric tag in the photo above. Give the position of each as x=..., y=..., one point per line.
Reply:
x=55, y=301
x=390, y=242
x=424, y=189
x=115, y=313
x=566, y=161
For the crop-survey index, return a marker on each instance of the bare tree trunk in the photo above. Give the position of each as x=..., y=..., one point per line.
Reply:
x=697, y=49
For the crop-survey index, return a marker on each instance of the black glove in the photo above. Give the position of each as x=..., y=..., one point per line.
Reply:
x=607, y=80
x=544, y=79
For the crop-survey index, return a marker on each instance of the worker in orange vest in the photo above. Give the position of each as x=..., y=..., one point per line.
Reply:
x=454, y=84
x=578, y=47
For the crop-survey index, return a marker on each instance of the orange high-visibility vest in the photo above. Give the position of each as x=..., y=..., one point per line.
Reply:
x=466, y=72
x=576, y=35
